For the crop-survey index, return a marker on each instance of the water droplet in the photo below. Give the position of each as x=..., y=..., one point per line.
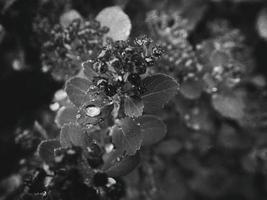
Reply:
x=118, y=159
x=92, y=111
x=92, y=87
x=111, y=181
x=109, y=148
x=89, y=126
x=70, y=152
x=89, y=149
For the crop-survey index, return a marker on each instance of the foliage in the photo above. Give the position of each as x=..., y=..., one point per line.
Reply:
x=109, y=104
x=174, y=116
x=67, y=46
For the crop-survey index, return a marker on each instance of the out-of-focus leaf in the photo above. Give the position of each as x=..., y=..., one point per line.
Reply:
x=117, y=21
x=193, y=11
x=133, y=107
x=160, y=89
x=66, y=115
x=73, y=135
x=261, y=24
x=191, y=89
x=46, y=150
x=76, y=89
x=230, y=106
x=127, y=136
x=67, y=17
x=123, y=167
x=218, y=58
x=169, y=147
x=152, y=128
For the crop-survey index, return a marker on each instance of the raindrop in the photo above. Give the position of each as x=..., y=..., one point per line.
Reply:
x=118, y=159
x=111, y=181
x=92, y=111
x=89, y=149
x=89, y=126
x=109, y=148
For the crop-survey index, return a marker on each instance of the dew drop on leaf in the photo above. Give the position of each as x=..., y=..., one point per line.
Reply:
x=92, y=111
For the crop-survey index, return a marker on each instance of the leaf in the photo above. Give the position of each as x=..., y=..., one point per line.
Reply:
x=219, y=58
x=127, y=136
x=153, y=129
x=133, y=107
x=66, y=115
x=123, y=167
x=94, y=105
x=169, y=147
x=73, y=135
x=88, y=70
x=76, y=89
x=117, y=21
x=160, y=89
x=230, y=106
x=46, y=150
x=191, y=89
x=67, y=17
x=261, y=24
x=85, y=118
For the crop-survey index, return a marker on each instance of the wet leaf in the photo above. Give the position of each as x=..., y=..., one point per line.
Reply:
x=73, y=135
x=91, y=114
x=127, y=136
x=117, y=21
x=133, y=107
x=123, y=167
x=46, y=150
x=152, y=128
x=76, y=89
x=88, y=70
x=66, y=115
x=160, y=89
